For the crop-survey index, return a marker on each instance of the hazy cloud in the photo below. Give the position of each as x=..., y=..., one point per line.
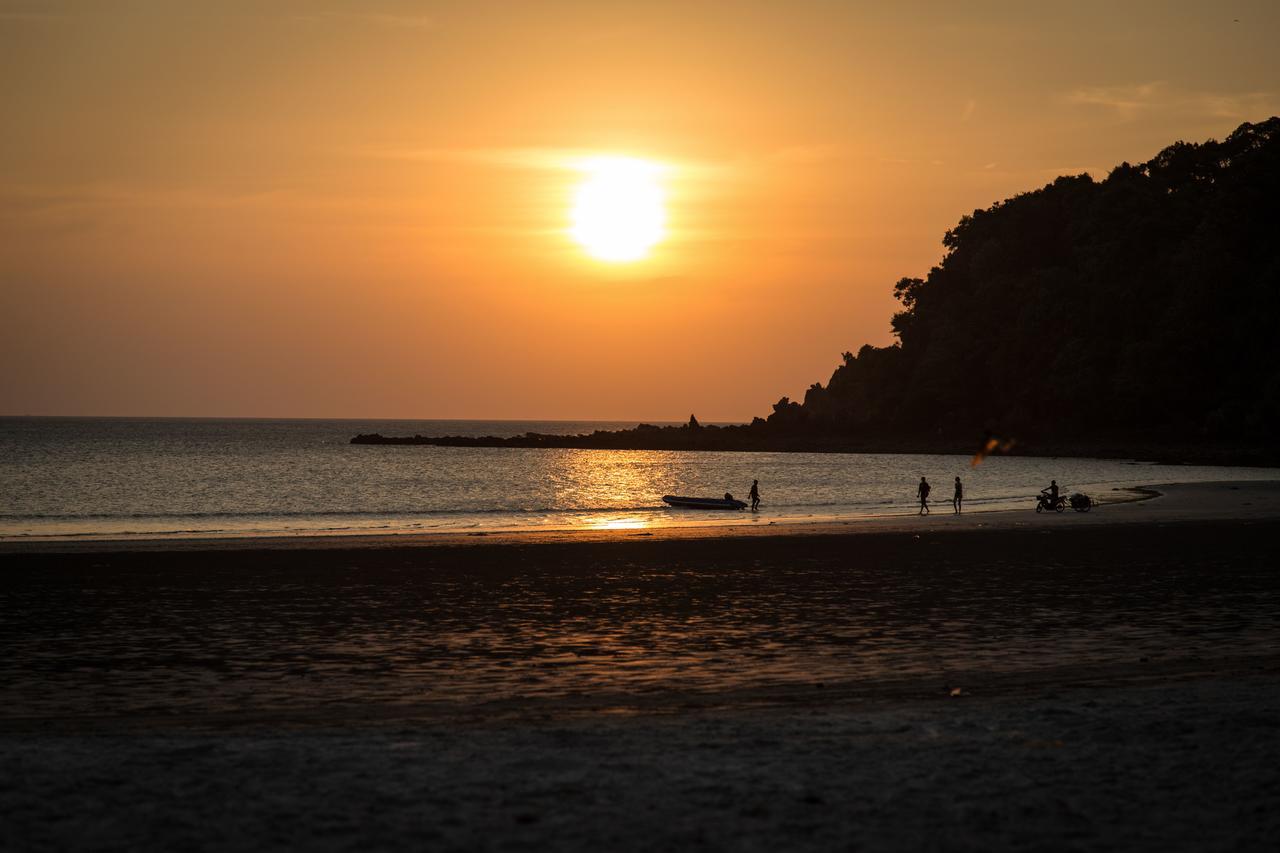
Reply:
x=383, y=19
x=808, y=154
x=574, y=159
x=1144, y=99
x=31, y=16
x=549, y=159
x=1126, y=100
x=35, y=205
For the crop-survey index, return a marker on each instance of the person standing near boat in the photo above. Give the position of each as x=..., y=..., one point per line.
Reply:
x=958, y=499
x=755, y=495
x=923, y=491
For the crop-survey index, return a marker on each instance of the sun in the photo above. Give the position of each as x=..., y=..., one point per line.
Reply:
x=618, y=210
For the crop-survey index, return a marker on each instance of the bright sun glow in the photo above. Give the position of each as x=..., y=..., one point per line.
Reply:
x=618, y=212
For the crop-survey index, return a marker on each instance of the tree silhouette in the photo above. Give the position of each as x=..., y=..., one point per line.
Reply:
x=1145, y=301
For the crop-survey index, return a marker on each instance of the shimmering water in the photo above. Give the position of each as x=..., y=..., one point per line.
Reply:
x=67, y=477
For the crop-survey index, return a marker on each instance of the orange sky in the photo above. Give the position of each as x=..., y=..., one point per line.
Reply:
x=360, y=209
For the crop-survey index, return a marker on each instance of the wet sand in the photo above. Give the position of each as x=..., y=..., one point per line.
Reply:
x=1175, y=766
x=1008, y=682
x=1162, y=504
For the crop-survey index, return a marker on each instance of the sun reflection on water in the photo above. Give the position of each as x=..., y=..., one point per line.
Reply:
x=628, y=523
x=602, y=480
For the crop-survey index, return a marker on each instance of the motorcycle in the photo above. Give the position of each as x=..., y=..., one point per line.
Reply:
x=1080, y=502
x=1047, y=503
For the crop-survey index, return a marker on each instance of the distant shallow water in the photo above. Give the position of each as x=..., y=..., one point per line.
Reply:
x=126, y=477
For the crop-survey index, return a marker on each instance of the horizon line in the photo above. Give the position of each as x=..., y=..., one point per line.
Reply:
x=378, y=418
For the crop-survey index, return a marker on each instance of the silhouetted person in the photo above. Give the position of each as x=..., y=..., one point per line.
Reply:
x=1052, y=494
x=755, y=495
x=958, y=498
x=923, y=491
x=728, y=496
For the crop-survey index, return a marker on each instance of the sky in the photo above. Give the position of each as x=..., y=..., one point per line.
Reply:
x=333, y=209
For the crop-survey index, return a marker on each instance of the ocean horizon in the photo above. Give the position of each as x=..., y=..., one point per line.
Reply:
x=114, y=477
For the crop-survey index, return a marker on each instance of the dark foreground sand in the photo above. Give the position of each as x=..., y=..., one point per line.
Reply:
x=1118, y=687
x=1179, y=766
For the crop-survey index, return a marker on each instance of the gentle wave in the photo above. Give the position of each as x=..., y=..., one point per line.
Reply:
x=94, y=476
x=550, y=510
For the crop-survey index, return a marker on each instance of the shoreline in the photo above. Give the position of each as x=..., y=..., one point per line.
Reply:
x=994, y=682
x=1156, y=503
x=605, y=622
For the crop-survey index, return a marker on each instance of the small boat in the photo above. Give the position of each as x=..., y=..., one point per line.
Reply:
x=703, y=503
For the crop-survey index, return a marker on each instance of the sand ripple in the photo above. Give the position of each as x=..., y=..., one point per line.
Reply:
x=172, y=634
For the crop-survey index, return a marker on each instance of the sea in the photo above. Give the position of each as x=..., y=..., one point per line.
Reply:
x=127, y=478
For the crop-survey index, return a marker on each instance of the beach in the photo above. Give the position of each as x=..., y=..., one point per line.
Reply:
x=1000, y=680
x=631, y=426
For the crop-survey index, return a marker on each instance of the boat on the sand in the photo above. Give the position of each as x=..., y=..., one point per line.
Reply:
x=703, y=503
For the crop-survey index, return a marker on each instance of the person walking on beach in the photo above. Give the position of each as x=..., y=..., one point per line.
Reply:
x=755, y=495
x=958, y=498
x=923, y=491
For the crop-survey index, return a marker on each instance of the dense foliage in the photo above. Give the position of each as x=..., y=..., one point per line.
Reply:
x=1144, y=303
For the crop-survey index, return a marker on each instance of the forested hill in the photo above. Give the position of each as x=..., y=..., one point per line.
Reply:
x=1146, y=302
x=1127, y=313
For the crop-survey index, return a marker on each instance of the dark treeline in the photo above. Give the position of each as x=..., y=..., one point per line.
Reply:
x=1131, y=312
x=1147, y=301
